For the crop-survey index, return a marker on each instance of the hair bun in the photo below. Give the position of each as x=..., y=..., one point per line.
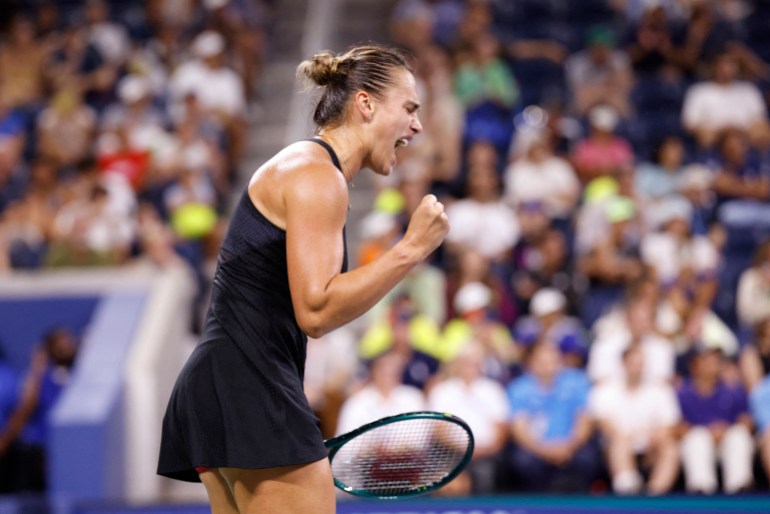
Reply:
x=323, y=69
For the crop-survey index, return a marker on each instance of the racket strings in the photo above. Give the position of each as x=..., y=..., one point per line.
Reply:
x=401, y=457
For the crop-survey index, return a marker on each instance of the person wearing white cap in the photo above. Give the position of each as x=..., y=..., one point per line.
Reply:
x=602, y=153
x=217, y=88
x=548, y=320
x=135, y=113
x=474, y=322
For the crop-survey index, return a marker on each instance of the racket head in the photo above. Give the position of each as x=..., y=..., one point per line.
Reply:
x=400, y=456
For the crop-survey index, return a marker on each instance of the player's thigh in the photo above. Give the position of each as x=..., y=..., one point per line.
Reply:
x=285, y=490
x=220, y=497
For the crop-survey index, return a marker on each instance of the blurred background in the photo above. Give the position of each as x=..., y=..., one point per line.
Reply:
x=599, y=313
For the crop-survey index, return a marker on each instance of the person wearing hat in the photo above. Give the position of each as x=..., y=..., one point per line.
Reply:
x=217, y=88
x=715, y=426
x=602, y=153
x=548, y=319
x=600, y=73
x=474, y=322
x=613, y=263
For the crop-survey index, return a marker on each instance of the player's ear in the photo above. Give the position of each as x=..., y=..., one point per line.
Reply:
x=364, y=105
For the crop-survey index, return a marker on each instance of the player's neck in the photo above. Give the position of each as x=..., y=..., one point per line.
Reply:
x=348, y=145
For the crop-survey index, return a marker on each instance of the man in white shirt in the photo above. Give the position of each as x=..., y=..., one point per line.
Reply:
x=619, y=329
x=541, y=176
x=384, y=395
x=637, y=418
x=217, y=88
x=482, y=221
x=724, y=102
x=482, y=403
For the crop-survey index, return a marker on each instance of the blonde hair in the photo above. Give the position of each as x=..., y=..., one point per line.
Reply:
x=366, y=67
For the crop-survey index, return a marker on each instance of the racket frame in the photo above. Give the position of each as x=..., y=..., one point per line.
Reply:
x=335, y=443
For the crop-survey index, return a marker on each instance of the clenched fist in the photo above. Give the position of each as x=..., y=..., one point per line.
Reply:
x=428, y=227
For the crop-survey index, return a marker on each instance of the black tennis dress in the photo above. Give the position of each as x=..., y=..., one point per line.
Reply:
x=239, y=400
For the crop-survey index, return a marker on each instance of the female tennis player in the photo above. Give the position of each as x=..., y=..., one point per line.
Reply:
x=238, y=419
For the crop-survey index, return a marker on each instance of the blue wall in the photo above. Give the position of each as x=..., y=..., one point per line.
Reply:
x=23, y=321
x=86, y=449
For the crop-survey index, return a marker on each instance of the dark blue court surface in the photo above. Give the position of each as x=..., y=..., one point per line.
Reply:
x=507, y=505
x=565, y=505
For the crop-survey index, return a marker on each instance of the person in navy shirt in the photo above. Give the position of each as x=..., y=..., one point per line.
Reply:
x=715, y=426
x=8, y=394
x=25, y=434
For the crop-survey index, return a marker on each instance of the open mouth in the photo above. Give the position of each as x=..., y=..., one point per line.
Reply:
x=402, y=142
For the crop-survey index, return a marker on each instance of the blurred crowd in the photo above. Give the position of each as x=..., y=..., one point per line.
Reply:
x=599, y=312
x=122, y=126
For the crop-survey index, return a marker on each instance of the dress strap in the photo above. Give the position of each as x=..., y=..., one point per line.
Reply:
x=329, y=149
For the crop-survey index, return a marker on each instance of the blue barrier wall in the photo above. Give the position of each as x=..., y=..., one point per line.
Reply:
x=23, y=321
x=86, y=447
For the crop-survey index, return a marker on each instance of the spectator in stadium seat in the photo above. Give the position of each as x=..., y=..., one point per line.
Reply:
x=475, y=322
x=13, y=172
x=76, y=59
x=652, y=50
x=66, y=128
x=540, y=258
x=632, y=324
x=383, y=395
x=636, y=419
x=471, y=266
x=488, y=91
x=412, y=24
x=661, y=176
x=600, y=74
x=550, y=426
x=724, y=102
x=9, y=389
x=110, y=39
x=677, y=256
x=614, y=261
x=739, y=174
x=481, y=402
x=541, y=176
x=27, y=226
x=134, y=111
x=753, y=296
x=89, y=231
x=442, y=116
x=715, y=427
x=27, y=427
x=755, y=355
x=602, y=153
x=759, y=403
x=548, y=320
x=482, y=220
x=216, y=86
x=409, y=334
x=22, y=67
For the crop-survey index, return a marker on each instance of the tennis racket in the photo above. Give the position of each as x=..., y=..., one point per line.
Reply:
x=400, y=456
